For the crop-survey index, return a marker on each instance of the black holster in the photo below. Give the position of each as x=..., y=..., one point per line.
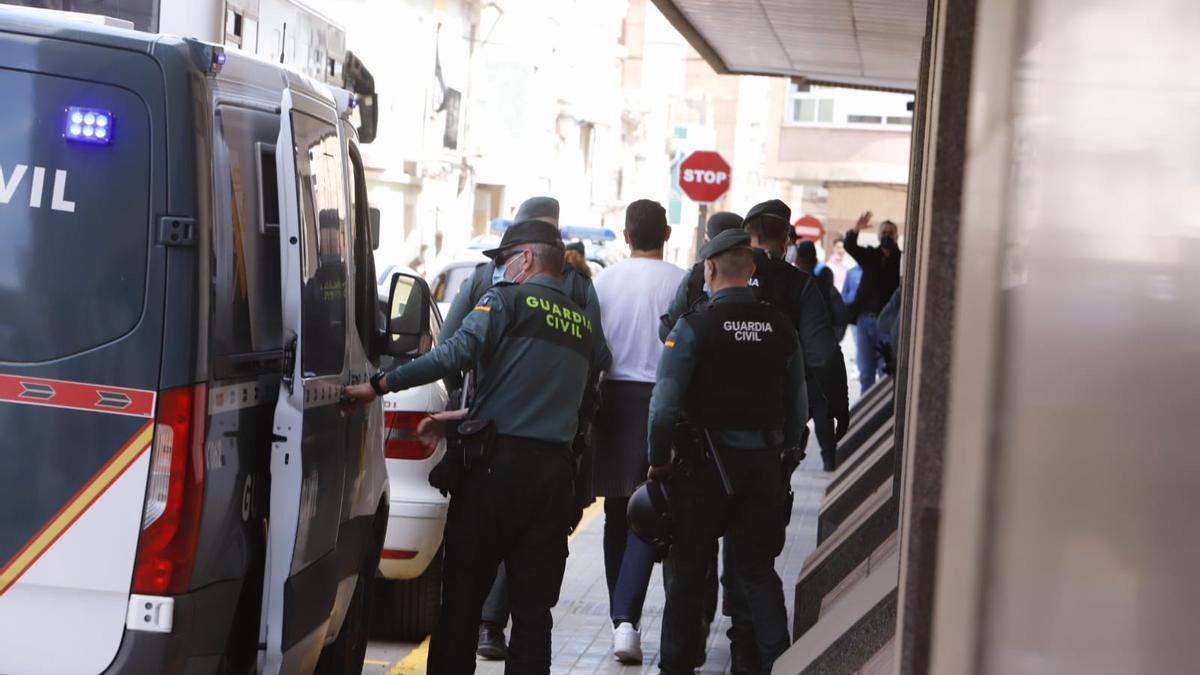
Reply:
x=469, y=445
x=689, y=444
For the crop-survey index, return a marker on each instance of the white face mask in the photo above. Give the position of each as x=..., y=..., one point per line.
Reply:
x=501, y=271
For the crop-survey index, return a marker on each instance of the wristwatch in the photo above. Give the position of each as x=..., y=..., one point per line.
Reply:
x=375, y=381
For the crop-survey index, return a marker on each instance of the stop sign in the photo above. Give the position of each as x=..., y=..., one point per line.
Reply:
x=704, y=176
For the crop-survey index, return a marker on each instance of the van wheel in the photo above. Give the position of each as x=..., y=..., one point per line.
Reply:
x=346, y=653
x=409, y=609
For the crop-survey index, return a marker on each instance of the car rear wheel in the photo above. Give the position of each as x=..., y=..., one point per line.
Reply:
x=408, y=610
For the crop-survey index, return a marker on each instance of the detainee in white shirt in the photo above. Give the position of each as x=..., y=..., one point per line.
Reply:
x=633, y=294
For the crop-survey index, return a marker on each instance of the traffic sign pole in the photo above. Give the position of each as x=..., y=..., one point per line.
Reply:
x=703, y=220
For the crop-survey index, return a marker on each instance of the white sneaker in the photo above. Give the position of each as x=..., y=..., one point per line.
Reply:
x=627, y=644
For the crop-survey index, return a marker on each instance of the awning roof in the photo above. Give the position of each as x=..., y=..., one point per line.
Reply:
x=864, y=43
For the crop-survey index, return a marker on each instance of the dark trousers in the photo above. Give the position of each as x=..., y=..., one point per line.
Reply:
x=866, y=342
x=824, y=427
x=516, y=511
x=495, y=608
x=628, y=564
x=743, y=644
x=753, y=523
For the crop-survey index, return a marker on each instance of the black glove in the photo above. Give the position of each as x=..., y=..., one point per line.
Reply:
x=791, y=459
x=447, y=473
x=842, y=419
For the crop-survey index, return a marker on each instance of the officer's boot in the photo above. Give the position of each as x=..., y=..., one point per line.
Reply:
x=829, y=458
x=491, y=642
x=743, y=650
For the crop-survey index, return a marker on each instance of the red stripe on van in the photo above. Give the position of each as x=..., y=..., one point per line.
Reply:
x=76, y=396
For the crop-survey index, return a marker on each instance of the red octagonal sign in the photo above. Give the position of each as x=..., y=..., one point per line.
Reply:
x=704, y=176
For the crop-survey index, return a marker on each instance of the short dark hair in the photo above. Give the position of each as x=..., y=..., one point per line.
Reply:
x=646, y=225
x=549, y=258
x=806, y=252
x=736, y=263
x=768, y=228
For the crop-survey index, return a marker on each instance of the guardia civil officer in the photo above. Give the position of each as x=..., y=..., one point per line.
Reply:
x=795, y=293
x=516, y=506
x=733, y=369
x=579, y=287
x=495, y=614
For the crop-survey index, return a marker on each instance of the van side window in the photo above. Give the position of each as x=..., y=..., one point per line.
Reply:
x=268, y=186
x=320, y=171
x=245, y=293
x=369, y=313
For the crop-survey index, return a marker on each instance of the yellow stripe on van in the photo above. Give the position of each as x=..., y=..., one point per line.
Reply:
x=91, y=491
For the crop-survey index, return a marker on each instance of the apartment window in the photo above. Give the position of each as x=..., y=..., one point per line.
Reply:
x=806, y=106
x=233, y=27
x=864, y=119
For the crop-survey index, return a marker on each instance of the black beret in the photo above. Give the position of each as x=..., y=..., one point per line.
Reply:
x=729, y=239
x=773, y=208
x=722, y=221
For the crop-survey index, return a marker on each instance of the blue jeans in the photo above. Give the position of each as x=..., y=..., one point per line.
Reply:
x=628, y=563
x=866, y=342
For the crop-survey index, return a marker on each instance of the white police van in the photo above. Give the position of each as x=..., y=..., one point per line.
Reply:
x=186, y=283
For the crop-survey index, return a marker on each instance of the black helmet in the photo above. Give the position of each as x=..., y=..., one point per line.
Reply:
x=649, y=516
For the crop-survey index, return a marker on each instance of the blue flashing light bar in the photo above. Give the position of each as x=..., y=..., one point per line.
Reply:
x=89, y=125
x=588, y=233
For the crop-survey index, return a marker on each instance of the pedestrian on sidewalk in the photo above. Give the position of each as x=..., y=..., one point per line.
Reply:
x=806, y=260
x=633, y=294
x=880, y=278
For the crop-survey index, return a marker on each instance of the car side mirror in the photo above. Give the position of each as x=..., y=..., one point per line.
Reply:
x=374, y=216
x=409, y=328
x=368, y=117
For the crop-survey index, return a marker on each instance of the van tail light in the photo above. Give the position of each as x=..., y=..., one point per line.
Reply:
x=171, y=519
x=400, y=440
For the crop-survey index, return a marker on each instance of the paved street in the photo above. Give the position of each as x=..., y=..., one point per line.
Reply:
x=582, y=631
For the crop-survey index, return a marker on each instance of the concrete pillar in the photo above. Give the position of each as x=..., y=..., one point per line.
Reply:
x=929, y=295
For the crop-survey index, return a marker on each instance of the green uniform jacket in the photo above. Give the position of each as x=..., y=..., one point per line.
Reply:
x=531, y=388
x=474, y=286
x=823, y=358
x=675, y=371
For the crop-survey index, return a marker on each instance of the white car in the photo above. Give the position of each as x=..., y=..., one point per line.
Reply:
x=408, y=586
x=446, y=283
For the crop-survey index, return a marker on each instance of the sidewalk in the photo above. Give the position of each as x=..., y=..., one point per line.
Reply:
x=582, y=640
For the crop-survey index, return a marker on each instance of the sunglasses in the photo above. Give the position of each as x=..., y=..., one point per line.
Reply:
x=505, y=256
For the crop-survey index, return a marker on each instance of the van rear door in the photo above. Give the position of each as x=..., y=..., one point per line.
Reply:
x=308, y=460
x=81, y=297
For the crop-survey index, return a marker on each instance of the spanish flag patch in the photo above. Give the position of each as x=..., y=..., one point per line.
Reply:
x=482, y=308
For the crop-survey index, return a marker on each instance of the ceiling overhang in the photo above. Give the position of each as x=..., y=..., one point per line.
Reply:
x=856, y=43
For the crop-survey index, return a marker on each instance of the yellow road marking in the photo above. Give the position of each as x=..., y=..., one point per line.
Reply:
x=414, y=663
x=589, y=514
